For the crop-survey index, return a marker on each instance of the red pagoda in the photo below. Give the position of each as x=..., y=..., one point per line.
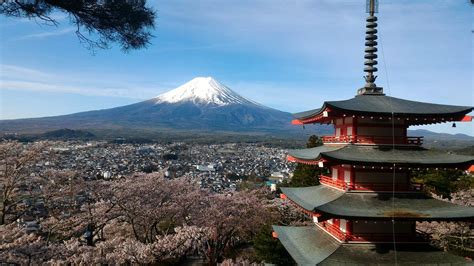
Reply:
x=365, y=211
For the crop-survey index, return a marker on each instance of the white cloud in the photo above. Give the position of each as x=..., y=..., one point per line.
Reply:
x=47, y=34
x=12, y=71
x=132, y=92
x=14, y=77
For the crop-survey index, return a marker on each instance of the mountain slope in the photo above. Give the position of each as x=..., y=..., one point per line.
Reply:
x=200, y=104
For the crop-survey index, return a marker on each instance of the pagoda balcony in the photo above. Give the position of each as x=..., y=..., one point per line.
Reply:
x=383, y=237
x=327, y=180
x=368, y=186
x=335, y=231
x=373, y=140
x=382, y=187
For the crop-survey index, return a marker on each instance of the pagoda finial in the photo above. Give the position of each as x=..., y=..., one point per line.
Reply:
x=371, y=51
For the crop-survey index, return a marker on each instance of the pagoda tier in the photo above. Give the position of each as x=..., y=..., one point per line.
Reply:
x=325, y=202
x=310, y=245
x=381, y=107
x=377, y=156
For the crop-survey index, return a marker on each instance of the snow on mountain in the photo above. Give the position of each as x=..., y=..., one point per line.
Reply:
x=204, y=90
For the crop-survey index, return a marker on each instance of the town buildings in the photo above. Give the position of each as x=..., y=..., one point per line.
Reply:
x=230, y=162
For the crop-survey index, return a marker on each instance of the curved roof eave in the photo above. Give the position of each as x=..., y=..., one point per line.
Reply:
x=307, y=245
x=310, y=113
x=376, y=155
x=311, y=245
x=384, y=105
x=311, y=197
x=312, y=153
x=375, y=205
x=402, y=206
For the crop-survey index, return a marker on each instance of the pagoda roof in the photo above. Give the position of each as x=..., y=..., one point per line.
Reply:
x=309, y=198
x=380, y=154
x=310, y=245
x=407, y=206
x=307, y=245
x=385, y=105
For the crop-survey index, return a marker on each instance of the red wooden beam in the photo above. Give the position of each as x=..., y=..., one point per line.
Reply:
x=296, y=122
x=471, y=169
x=274, y=234
x=466, y=118
x=322, y=117
x=311, y=162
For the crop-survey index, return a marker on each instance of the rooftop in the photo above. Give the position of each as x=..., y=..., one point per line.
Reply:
x=402, y=206
x=371, y=155
x=309, y=245
x=384, y=106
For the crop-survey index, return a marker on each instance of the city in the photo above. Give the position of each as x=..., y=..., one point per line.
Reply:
x=217, y=167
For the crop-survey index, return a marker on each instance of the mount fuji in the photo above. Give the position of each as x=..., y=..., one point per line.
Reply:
x=202, y=104
x=203, y=91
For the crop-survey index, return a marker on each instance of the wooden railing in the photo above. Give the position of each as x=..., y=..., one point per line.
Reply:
x=383, y=237
x=382, y=140
x=369, y=186
x=381, y=186
x=338, y=139
x=327, y=180
x=369, y=237
x=335, y=231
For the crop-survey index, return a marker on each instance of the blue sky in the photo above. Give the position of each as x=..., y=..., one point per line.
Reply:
x=290, y=55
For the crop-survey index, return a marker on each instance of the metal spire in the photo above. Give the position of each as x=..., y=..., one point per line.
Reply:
x=371, y=51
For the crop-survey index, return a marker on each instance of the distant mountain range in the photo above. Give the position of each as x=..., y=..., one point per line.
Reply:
x=430, y=135
x=443, y=140
x=202, y=104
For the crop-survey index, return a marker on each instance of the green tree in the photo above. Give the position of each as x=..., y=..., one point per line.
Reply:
x=314, y=141
x=269, y=249
x=443, y=182
x=251, y=182
x=122, y=21
x=306, y=175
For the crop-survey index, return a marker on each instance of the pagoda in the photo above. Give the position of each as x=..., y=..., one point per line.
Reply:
x=365, y=210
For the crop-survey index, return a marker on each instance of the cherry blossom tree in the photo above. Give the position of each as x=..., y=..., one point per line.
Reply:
x=18, y=247
x=140, y=219
x=15, y=162
x=232, y=219
x=442, y=233
x=153, y=205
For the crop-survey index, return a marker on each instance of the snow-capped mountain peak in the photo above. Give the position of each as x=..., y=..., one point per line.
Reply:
x=203, y=90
